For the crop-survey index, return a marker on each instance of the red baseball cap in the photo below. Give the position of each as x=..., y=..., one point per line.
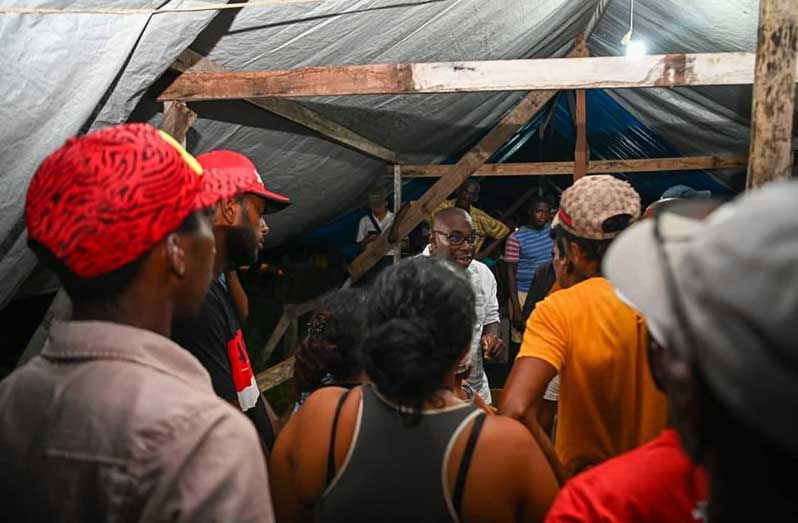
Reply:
x=102, y=200
x=231, y=163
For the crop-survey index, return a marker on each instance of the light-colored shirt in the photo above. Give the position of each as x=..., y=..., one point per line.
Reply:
x=115, y=423
x=366, y=226
x=484, y=223
x=487, y=308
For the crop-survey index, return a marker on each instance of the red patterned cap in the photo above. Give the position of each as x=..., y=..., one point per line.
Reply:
x=102, y=200
x=586, y=206
x=230, y=163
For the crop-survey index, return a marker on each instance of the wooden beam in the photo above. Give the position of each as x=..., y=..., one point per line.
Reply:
x=194, y=62
x=177, y=120
x=607, y=72
x=274, y=376
x=774, y=92
x=687, y=163
x=461, y=171
x=397, y=204
x=290, y=313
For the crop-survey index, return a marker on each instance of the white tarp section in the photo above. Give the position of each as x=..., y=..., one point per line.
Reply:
x=65, y=73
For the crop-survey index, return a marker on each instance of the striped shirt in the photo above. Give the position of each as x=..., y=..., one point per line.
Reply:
x=530, y=249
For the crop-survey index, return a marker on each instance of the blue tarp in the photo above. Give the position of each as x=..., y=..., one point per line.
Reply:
x=613, y=133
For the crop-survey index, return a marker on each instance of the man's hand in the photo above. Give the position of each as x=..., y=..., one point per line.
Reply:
x=492, y=346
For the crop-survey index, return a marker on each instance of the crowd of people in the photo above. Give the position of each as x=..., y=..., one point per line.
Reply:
x=653, y=381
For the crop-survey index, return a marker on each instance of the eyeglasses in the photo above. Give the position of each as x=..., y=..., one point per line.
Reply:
x=457, y=238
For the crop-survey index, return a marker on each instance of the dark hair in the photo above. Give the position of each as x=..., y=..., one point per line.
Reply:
x=332, y=345
x=107, y=287
x=420, y=317
x=593, y=250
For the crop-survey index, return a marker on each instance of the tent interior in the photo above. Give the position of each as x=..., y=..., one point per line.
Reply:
x=72, y=73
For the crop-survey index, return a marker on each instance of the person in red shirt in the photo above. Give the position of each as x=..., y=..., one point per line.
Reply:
x=654, y=483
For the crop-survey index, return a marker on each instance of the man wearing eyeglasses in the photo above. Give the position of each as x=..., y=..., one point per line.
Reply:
x=453, y=237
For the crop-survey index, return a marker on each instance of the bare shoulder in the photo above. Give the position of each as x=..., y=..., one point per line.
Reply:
x=319, y=408
x=501, y=429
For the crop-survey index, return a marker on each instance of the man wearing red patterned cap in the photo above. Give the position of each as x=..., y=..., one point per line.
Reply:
x=114, y=421
x=215, y=336
x=596, y=343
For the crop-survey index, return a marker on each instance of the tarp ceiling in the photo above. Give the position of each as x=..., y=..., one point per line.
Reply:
x=65, y=74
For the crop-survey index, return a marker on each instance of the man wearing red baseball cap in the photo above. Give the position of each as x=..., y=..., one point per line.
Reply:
x=114, y=421
x=215, y=336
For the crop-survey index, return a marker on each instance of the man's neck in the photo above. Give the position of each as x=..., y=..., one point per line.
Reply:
x=135, y=307
x=380, y=214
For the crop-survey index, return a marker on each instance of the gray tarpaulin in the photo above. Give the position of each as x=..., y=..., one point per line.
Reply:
x=65, y=73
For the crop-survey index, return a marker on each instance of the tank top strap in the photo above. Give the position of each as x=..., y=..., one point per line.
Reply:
x=465, y=462
x=331, y=452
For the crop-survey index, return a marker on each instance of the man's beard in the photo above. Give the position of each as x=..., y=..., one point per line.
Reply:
x=242, y=246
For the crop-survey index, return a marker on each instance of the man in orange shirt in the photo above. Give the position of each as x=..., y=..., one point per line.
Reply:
x=595, y=342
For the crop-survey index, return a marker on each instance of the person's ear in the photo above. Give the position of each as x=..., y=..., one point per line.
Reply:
x=433, y=240
x=175, y=255
x=228, y=210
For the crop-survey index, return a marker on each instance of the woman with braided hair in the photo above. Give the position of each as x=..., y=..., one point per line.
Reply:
x=330, y=353
x=405, y=447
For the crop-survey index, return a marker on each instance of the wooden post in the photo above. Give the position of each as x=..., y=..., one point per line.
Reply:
x=177, y=120
x=774, y=92
x=397, y=204
x=580, y=120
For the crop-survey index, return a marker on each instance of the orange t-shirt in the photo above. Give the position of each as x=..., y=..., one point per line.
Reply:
x=608, y=401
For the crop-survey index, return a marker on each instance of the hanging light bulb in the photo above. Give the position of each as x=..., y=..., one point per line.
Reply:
x=634, y=48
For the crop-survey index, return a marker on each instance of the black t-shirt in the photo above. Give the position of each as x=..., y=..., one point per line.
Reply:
x=215, y=338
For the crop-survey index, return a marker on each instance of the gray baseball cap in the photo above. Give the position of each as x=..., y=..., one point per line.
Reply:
x=735, y=278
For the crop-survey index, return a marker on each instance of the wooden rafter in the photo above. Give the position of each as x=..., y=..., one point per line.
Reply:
x=688, y=163
x=607, y=72
x=177, y=119
x=461, y=171
x=194, y=62
x=774, y=92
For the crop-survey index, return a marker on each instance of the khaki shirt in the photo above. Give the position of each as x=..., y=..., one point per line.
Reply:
x=115, y=423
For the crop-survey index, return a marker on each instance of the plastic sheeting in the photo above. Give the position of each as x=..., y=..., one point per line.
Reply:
x=64, y=73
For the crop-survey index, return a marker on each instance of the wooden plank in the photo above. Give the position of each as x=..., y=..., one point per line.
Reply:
x=774, y=92
x=687, y=163
x=192, y=61
x=177, y=120
x=580, y=151
x=397, y=204
x=606, y=72
x=290, y=313
x=276, y=375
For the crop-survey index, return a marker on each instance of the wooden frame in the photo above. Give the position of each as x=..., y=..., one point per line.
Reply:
x=605, y=72
x=688, y=163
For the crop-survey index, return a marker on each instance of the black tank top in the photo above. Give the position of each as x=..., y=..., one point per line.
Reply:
x=394, y=471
